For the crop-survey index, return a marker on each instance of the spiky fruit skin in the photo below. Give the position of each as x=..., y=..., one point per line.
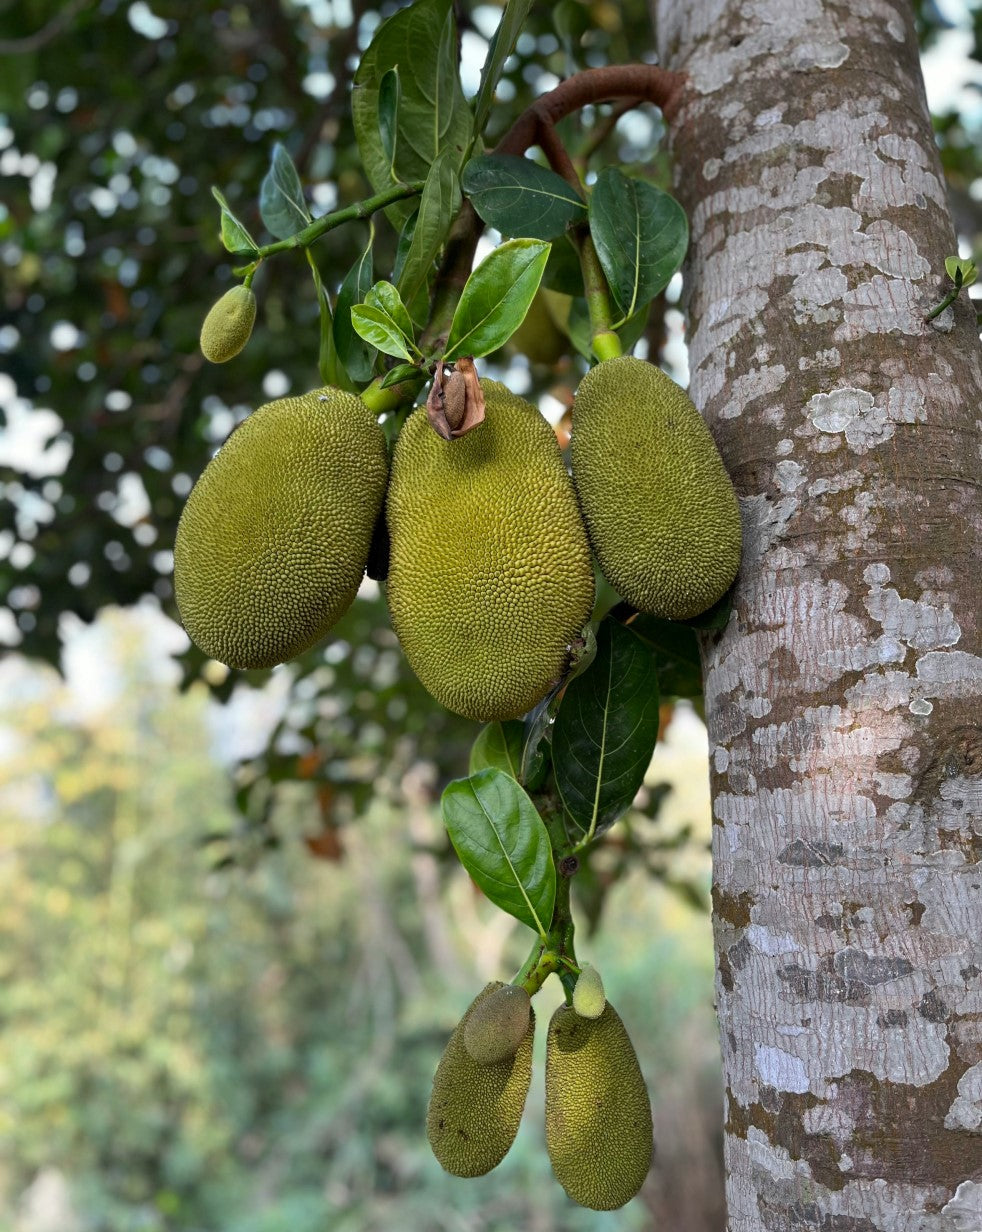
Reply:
x=475, y=1109
x=598, y=1116
x=228, y=325
x=658, y=504
x=272, y=543
x=589, y=998
x=489, y=569
x=495, y=1028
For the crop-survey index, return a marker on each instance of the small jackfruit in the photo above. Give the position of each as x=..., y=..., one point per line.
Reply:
x=272, y=543
x=588, y=993
x=542, y=334
x=489, y=570
x=658, y=504
x=598, y=1116
x=228, y=325
x=495, y=1028
x=475, y=1109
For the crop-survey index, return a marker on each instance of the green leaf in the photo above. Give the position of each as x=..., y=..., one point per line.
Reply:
x=503, y=843
x=518, y=197
x=496, y=297
x=235, y=238
x=432, y=116
x=387, y=299
x=499, y=745
x=438, y=206
x=388, y=114
x=641, y=235
x=354, y=353
x=606, y=730
x=379, y=330
x=281, y=199
x=961, y=271
x=502, y=45
x=677, y=653
x=401, y=372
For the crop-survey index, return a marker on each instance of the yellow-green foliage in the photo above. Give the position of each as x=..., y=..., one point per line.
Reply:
x=496, y=1027
x=475, y=1109
x=598, y=1116
x=489, y=573
x=658, y=504
x=588, y=993
x=228, y=325
x=273, y=540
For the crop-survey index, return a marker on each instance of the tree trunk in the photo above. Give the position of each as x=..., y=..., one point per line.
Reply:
x=843, y=699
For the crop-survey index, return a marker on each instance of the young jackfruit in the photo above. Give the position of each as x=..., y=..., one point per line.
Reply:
x=475, y=1109
x=589, y=999
x=658, y=504
x=273, y=540
x=489, y=571
x=598, y=1116
x=542, y=334
x=228, y=325
x=495, y=1028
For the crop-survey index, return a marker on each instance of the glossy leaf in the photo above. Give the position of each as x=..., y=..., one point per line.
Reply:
x=606, y=730
x=499, y=745
x=503, y=843
x=496, y=297
x=401, y=372
x=235, y=238
x=354, y=353
x=281, y=199
x=379, y=330
x=389, y=91
x=641, y=235
x=438, y=205
x=387, y=299
x=677, y=654
x=432, y=116
x=501, y=47
x=520, y=198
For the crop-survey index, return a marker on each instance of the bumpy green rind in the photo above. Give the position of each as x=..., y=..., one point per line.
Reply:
x=489, y=573
x=589, y=999
x=658, y=503
x=495, y=1028
x=228, y=325
x=272, y=544
x=598, y=1116
x=475, y=1109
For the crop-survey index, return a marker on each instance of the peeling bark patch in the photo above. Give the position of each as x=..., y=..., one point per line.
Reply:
x=809, y=1215
x=966, y=1110
x=933, y=1008
x=865, y=421
x=855, y=965
x=823, y=985
x=810, y=855
x=780, y=1069
x=734, y=910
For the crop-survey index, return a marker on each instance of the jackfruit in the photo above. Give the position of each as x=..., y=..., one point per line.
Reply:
x=475, y=1109
x=228, y=325
x=588, y=993
x=273, y=540
x=542, y=334
x=658, y=504
x=598, y=1116
x=495, y=1028
x=490, y=577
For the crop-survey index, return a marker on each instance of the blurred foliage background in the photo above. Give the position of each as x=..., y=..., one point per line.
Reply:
x=232, y=936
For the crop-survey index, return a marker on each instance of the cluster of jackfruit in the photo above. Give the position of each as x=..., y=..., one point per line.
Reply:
x=490, y=578
x=598, y=1116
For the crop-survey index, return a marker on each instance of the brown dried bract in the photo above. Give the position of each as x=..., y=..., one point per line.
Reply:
x=456, y=400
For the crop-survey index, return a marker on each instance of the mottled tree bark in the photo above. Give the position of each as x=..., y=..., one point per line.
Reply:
x=844, y=699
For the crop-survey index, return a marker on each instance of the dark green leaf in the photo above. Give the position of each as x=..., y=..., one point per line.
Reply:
x=520, y=198
x=606, y=730
x=388, y=114
x=235, y=238
x=677, y=652
x=438, y=206
x=499, y=745
x=502, y=45
x=503, y=843
x=433, y=115
x=387, y=299
x=281, y=199
x=379, y=330
x=496, y=297
x=563, y=272
x=401, y=372
x=641, y=235
x=355, y=354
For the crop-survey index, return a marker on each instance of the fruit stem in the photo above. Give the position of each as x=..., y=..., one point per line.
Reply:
x=606, y=344
x=379, y=400
x=360, y=209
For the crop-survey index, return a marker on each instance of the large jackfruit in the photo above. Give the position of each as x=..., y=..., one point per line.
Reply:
x=475, y=1109
x=489, y=573
x=658, y=504
x=272, y=544
x=598, y=1116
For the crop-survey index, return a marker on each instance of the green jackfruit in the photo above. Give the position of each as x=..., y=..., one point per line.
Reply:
x=542, y=334
x=495, y=1028
x=658, y=504
x=475, y=1109
x=598, y=1116
x=489, y=571
x=228, y=325
x=588, y=993
x=272, y=544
